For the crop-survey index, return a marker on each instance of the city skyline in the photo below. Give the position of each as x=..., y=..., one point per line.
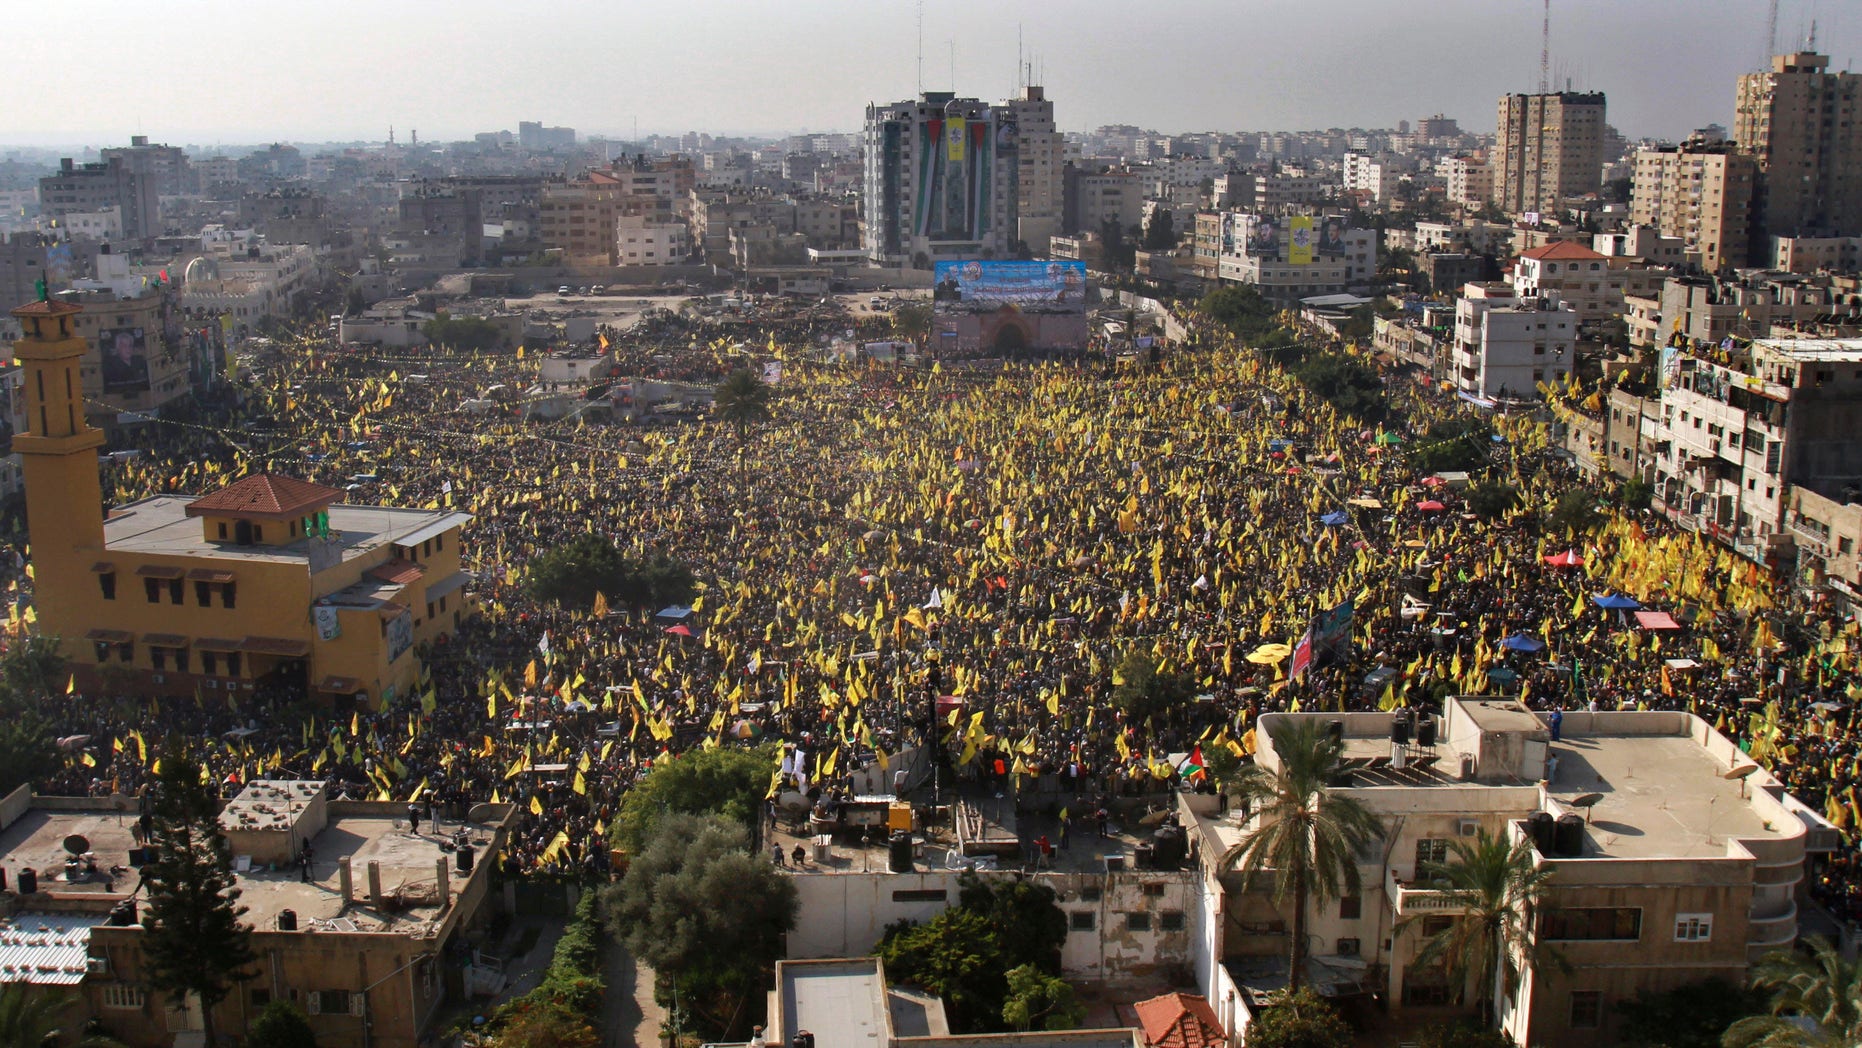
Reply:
x=719, y=69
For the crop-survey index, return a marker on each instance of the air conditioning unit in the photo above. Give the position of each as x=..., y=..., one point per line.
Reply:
x=1467, y=827
x=97, y=965
x=159, y=678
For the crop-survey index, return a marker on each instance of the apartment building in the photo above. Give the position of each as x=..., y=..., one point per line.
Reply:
x=1701, y=193
x=98, y=187
x=1095, y=198
x=1548, y=147
x=1507, y=344
x=1582, y=279
x=1802, y=125
x=1040, y=165
x=1470, y=181
x=1685, y=868
x=941, y=181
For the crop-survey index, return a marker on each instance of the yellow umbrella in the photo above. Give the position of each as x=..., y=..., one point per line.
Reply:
x=1268, y=654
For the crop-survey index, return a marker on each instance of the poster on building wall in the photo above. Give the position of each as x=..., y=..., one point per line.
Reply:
x=953, y=139
x=1263, y=237
x=400, y=634
x=1008, y=134
x=1234, y=232
x=125, y=360
x=978, y=286
x=1300, y=240
x=329, y=626
x=1331, y=237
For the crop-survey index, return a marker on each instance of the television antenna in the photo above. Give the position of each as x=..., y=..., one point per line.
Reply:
x=1545, y=50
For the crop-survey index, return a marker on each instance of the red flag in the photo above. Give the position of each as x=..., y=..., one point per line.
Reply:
x=1302, y=655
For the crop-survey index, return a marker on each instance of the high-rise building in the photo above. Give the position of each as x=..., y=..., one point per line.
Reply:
x=167, y=165
x=941, y=179
x=1701, y=192
x=1039, y=193
x=1803, y=125
x=1547, y=148
x=83, y=188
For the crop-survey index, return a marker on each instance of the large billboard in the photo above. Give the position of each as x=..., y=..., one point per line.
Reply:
x=1033, y=287
x=1331, y=236
x=125, y=360
x=1300, y=240
x=1263, y=237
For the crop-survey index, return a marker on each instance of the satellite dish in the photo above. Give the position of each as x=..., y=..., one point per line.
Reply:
x=77, y=844
x=1587, y=800
x=1739, y=771
x=480, y=813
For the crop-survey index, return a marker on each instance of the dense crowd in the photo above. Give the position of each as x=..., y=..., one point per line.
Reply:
x=1007, y=536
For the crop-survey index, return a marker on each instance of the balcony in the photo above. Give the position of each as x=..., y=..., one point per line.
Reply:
x=1409, y=899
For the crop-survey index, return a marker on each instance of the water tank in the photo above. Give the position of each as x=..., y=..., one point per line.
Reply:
x=1544, y=834
x=1169, y=847
x=123, y=914
x=462, y=858
x=287, y=920
x=28, y=881
x=1335, y=730
x=802, y=1039
x=1568, y=839
x=898, y=860
x=1425, y=732
x=1399, y=729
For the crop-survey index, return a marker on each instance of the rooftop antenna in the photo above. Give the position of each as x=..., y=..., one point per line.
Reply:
x=1811, y=44
x=1545, y=50
x=1771, y=34
x=921, y=46
x=1018, y=60
x=953, y=65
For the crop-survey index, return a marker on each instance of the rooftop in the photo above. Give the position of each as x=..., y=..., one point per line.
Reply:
x=1561, y=251
x=46, y=949
x=160, y=525
x=1812, y=350
x=1180, y=1020
x=1663, y=796
x=268, y=495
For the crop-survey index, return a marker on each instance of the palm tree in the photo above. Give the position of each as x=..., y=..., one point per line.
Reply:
x=1498, y=887
x=741, y=402
x=29, y=1017
x=1816, y=1000
x=1306, y=833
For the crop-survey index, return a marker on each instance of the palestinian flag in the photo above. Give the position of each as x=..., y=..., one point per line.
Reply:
x=1193, y=766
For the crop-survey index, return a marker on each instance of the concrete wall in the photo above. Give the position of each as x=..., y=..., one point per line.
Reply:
x=846, y=914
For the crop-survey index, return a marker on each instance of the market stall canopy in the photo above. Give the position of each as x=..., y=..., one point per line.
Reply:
x=1430, y=506
x=1568, y=559
x=1522, y=642
x=1615, y=602
x=1268, y=654
x=1334, y=518
x=680, y=630
x=1656, y=620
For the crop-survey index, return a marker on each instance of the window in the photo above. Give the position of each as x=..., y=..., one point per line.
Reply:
x=1347, y=947
x=181, y=660
x=153, y=587
x=1137, y=922
x=1693, y=927
x=158, y=659
x=1081, y=921
x=1350, y=907
x=226, y=595
x=1431, y=850
x=921, y=895
x=203, y=594
x=127, y=998
x=1153, y=889
x=1603, y=922
x=175, y=590
x=232, y=664
x=1586, y=1009
x=1170, y=921
x=107, y=582
x=1090, y=893
x=329, y=1002
x=209, y=663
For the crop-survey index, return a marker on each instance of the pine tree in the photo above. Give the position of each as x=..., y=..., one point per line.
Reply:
x=193, y=940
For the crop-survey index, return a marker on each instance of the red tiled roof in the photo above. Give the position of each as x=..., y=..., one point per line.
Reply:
x=1562, y=250
x=269, y=495
x=47, y=308
x=1180, y=1020
x=397, y=572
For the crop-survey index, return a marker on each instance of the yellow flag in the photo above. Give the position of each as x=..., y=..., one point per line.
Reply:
x=536, y=806
x=581, y=785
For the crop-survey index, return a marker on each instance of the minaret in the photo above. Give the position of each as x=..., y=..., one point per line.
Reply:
x=58, y=455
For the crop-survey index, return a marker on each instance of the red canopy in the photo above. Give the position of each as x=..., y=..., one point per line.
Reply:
x=1430, y=506
x=1434, y=481
x=1568, y=559
x=1656, y=620
x=681, y=629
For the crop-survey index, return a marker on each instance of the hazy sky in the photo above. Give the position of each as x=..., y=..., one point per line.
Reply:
x=204, y=71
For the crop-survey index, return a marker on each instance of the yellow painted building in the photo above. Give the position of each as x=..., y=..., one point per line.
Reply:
x=269, y=579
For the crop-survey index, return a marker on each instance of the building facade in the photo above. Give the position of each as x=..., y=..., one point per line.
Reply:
x=1548, y=147
x=1802, y=125
x=1506, y=345
x=1700, y=193
x=942, y=174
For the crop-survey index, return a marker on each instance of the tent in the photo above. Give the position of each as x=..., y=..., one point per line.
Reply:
x=681, y=630
x=1389, y=438
x=673, y=613
x=1268, y=654
x=1502, y=675
x=1615, y=602
x=1430, y=506
x=1522, y=642
x=1568, y=559
x=1656, y=620
x=1433, y=481
x=1334, y=518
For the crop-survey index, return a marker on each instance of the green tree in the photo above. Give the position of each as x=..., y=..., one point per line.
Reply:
x=193, y=941
x=1635, y=494
x=707, y=915
x=1039, y=1001
x=1492, y=499
x=1140, y=689
x=34, y=669
x=1463, y=1035
x=571, y=575
x=965, y=953
x=1498, y=887
x=471, y=334
x=912, y=322
x=1300, y=1019
x=1305, y=833
x=727, y=783
x=545, y=1022
x=33, y=1016
x=1815, y=1001
x=1161, y=234
x=742, y=403
x=281, y=1025
x=1462, y=443
x=355, y=302
x=1575, y=511
x=1347, y=383
x=1692, y=1016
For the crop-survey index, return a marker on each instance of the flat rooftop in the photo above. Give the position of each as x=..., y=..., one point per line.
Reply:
x=159, y=525
x=406, y=861
x=843, y=1003
x=1663, y=796
x=1811, y=350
